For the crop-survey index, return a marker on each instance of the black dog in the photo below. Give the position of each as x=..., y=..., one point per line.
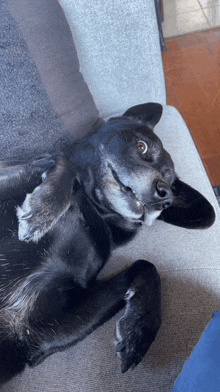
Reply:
x=61, y=216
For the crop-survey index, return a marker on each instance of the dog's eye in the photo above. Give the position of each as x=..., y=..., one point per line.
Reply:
x=142, y=146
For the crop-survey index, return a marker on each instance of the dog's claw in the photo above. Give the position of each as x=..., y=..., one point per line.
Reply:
x=125, y=367
x=120, y=346
x=27, y=216
x=26, y=238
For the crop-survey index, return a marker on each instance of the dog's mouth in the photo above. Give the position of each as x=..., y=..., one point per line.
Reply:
x=127, y=190
x=122, y=198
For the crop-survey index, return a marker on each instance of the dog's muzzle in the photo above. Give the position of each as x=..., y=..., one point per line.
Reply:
x=135, y=196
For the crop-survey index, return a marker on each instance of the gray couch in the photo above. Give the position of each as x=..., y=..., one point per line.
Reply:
x=44, y=96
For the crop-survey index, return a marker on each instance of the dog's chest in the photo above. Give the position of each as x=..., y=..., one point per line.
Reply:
x=80, y=244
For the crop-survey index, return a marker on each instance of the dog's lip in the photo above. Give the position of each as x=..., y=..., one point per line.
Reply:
x=125, y=188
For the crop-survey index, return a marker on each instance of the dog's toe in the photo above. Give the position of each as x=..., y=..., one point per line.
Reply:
x=125, y=356
x=26, y=229
x=24, y=214
x=23, y=232
x=127, y=347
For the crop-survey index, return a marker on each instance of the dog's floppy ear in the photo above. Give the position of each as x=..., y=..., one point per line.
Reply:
x=148, y=113
x=190, y=209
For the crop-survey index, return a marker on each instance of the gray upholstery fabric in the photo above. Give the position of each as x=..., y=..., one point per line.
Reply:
x=188, y=261
x=25, y=111
x=118, y=48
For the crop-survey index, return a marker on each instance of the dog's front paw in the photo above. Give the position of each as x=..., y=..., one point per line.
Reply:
x=48, y=202
x=135, y=331
x=32, y=222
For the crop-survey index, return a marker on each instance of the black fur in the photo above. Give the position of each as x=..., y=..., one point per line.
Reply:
x=61, y=215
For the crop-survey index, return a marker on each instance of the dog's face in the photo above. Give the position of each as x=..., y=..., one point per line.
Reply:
x=131, y=174
x=137, y=173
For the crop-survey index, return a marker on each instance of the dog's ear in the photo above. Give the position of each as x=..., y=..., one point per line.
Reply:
x=148, y=113
x=190, y=209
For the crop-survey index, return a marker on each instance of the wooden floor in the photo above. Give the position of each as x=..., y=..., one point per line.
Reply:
x=192, y=73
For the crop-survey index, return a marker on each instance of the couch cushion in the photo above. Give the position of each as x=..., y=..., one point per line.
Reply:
x=119, y=53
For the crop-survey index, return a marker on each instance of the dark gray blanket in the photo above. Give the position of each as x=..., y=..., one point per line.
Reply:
x=28, y=123
x=43, y=96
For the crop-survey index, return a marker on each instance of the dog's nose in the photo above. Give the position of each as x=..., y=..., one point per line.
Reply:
x=163, y=194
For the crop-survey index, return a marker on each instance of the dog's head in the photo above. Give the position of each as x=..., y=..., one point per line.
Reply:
x=130, y=174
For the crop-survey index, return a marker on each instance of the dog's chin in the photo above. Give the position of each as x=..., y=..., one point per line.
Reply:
x=125, y=204
x=131, y=208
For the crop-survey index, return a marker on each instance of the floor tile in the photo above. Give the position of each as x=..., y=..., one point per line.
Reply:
x=213, y=15
x=192, y=73
x=212, y=167
x=188, y=40
x=180, y=6
x=209, y=3
x=178, y=24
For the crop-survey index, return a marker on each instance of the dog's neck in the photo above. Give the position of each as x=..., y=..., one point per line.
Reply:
x=112, y=226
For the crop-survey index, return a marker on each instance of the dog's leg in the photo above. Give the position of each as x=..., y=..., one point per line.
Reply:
x=16, y=179
x=12, y=357
x=48, y=202
x=74, y=314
